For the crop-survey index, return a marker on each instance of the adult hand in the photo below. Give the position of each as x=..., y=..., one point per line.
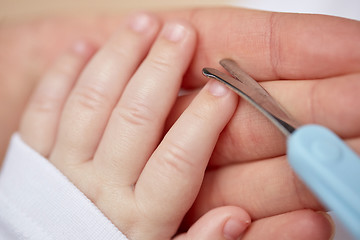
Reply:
x=314, y=73
x=250, y=167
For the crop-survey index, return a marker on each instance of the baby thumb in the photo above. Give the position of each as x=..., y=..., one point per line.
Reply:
x=223, y=223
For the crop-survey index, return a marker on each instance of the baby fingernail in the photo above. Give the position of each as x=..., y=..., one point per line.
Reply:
x=217, y=89
x=81, y=47
x=140, y=22
x=233, y=229
x=174, y=32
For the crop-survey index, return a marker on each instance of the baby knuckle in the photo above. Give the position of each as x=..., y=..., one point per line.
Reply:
x=160, y=63
x=136, y=113
x=118, y=49
x=177, y=158
x=45, y=102
x=201, y=114
x=65, y=70
x=91, y=97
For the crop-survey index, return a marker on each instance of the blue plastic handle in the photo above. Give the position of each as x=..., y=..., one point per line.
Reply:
x=330, y=169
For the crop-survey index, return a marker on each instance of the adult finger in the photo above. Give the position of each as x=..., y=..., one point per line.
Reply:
x=267, y=45
x=329, y=102
x=274, y=45
x=40, y=120
x=262, y=188
x=297, y=225
x=223, y=223
x=99, y=87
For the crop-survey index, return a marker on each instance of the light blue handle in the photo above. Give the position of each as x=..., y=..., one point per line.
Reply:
x=330, y=169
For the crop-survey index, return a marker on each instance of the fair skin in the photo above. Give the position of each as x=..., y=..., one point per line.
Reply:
x=100, y=120
x=250, y=154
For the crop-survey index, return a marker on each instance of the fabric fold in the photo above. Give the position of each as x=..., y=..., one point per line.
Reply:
x=38, y=202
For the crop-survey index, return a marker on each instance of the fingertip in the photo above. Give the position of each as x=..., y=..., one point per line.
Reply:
x=310, y=224
x=221, y=223
x=299, y=225
x=328, y=224
x=236, y=225
x=83, y=47
x=140, y=22
x=234, y=228
x=174, y=32
x=181, y=34
x=217, y=89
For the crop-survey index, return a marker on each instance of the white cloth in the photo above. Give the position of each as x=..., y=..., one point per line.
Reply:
x=38, y=202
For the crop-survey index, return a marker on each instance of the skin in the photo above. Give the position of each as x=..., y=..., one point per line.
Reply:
x=102, y=125
x=318, y=55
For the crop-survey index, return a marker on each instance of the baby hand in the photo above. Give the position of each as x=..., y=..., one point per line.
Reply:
x=101, y=122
